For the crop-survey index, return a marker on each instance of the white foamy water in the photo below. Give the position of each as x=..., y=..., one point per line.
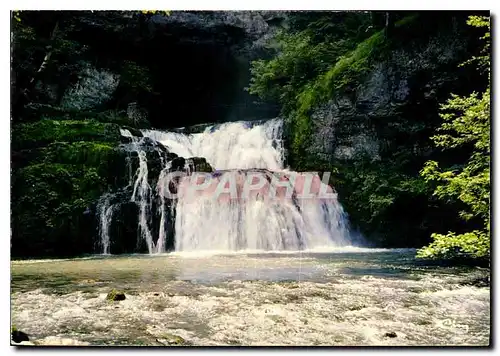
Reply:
x=233, y=145
x=142, y=195
x=260, y=223
x=105, y=212
x=339, y=299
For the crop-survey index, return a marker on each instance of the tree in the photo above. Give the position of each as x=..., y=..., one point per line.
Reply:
x=304, y=51
x=466, y=122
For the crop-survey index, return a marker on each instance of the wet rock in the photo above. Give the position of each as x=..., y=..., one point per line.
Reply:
x=320, y=294
x=478, y=282
x=178, y=164
x=18, y=336
x=199, y=164
x=126, y=139
x=356, y=307
x=171, y=339
x=115, y=295
x=135, y=132
x=292, y=298
x=390, y=334
x=87, y=281
x=289, y=284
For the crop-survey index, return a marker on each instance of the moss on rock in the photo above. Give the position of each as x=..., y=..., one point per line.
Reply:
x=171, y=339
x=50, y=209
x=44, y=132
x=115, y=295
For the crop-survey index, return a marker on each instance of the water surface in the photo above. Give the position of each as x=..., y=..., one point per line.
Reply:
x=337, y=298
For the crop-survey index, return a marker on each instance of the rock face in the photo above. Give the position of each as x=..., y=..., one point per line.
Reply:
x=200, y=61
x=112, y=70
x=374, y=128
x=404, y=88
x=68, y=174
x=140, y=206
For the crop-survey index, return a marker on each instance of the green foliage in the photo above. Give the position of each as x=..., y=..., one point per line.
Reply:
x=298, y=61
x=378, y=193
x=156, y=12
x=302, y=57
x=83, y=152
x=49, y=201
x=49, y=180
x=466, y=122
x=373, y=194
x=15, y=15
x=470, y=244
x=60, y=168
x=483, y=61
x=344, y=73
x=330, y=55
x=135, y=77
x=113, y=116
x=43, y=132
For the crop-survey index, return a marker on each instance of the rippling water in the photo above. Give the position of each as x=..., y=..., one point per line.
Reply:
x=336, y=298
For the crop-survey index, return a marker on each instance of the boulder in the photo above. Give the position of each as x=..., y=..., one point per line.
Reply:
x=18, y=336
x=115, y=295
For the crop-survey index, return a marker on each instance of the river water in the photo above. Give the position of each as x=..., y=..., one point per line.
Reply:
x=340, y=297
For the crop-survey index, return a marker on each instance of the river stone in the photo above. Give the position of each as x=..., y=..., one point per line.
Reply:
x=391, y=334
x=479, y=282
x=170, y=339
x=18, y=336
x=115, y=295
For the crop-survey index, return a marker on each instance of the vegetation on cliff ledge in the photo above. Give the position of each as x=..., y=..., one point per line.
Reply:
x=383, y=82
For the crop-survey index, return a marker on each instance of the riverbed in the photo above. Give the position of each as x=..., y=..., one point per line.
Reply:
x=346, y=297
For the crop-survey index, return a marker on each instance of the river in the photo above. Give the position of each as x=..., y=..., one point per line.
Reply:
x=337, y=297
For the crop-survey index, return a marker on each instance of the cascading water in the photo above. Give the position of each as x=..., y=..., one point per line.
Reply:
x=105, y=212
x=256, y=221
x=205, y=223
x=234, y=145
x=160, y=188
x=142, y=195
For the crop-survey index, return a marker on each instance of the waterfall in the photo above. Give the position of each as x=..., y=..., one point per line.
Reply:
x=160, y=188
x=207, y=221
x=212, y=218
x=105, y=213
x=233, y=145
x=143, y=195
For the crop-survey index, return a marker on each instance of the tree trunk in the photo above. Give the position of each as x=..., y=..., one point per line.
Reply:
x=389, y=24
x=46, y=59
x=25, y=95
